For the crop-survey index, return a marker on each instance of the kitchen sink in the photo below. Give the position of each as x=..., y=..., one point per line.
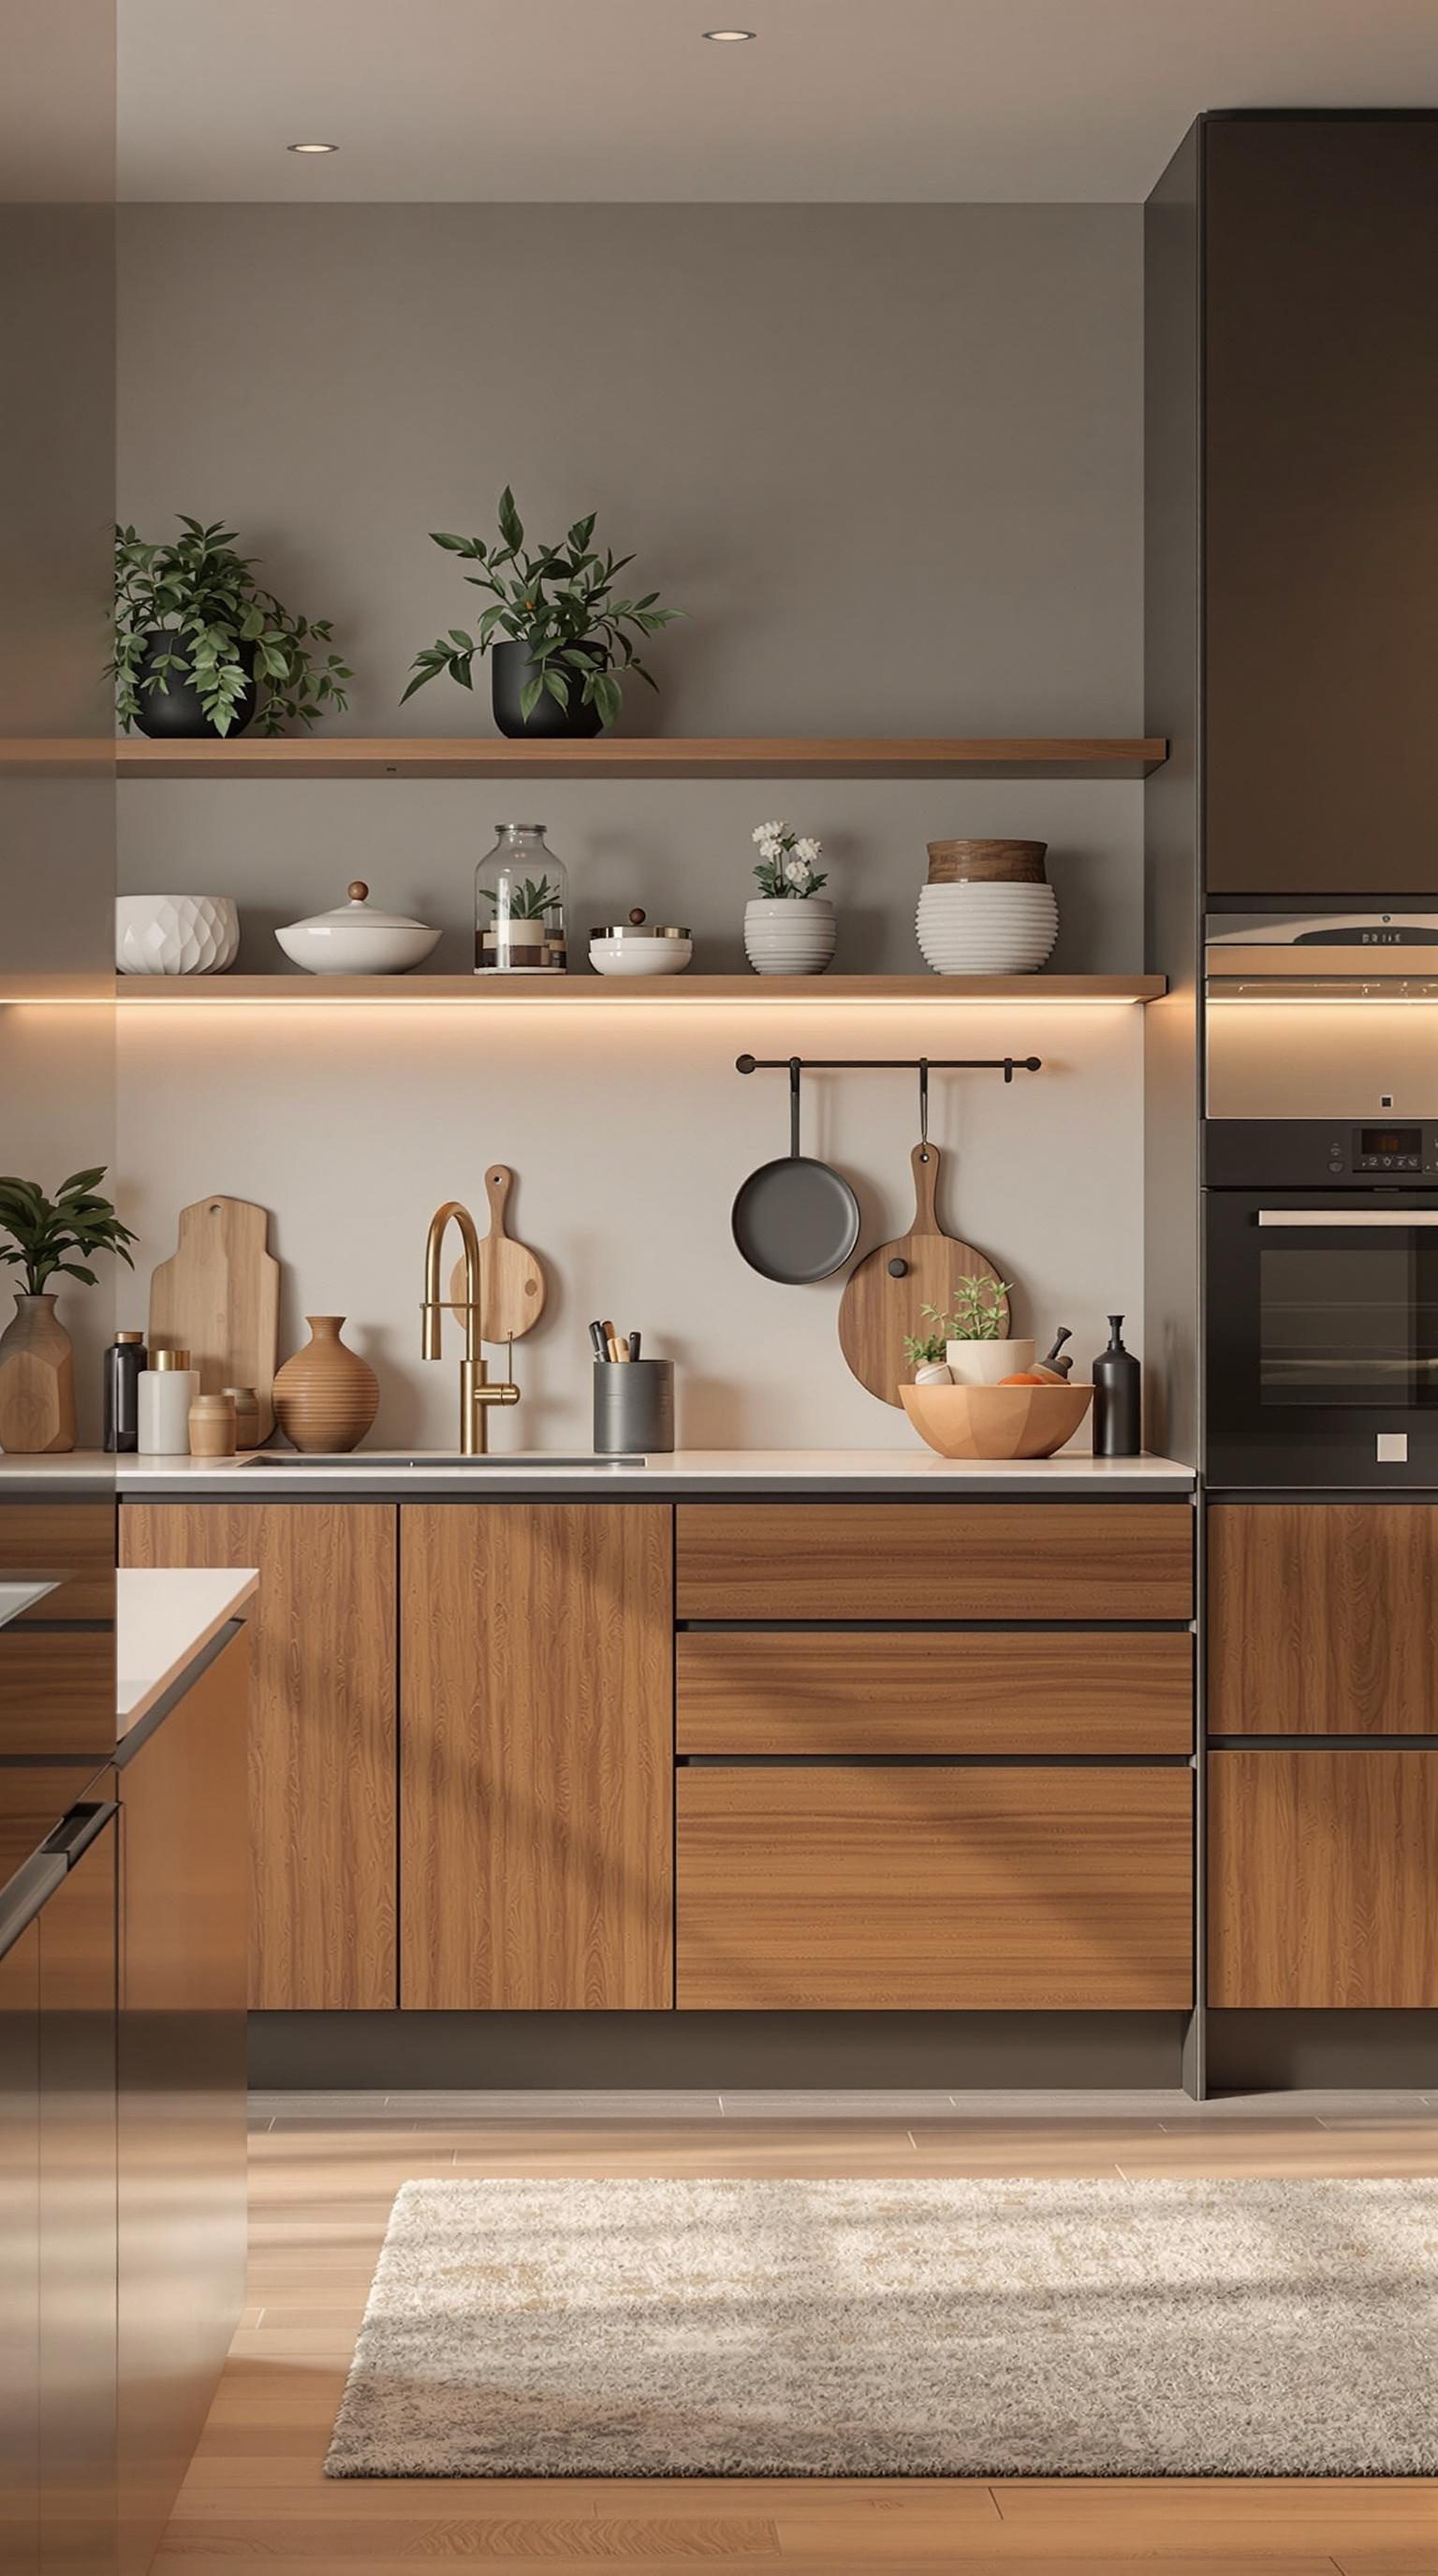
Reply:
x=514, y=1464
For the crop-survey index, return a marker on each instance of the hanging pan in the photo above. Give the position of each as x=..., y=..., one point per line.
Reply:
x=795, y=1220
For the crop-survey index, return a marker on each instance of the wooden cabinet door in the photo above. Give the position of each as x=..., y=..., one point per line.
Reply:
x=537, y=1756
x=322, y=1735
x=1322, y=1871
x=918, y=1888
x=1322, y=1619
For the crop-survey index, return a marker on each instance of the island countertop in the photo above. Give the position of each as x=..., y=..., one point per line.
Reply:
x=164, y=1620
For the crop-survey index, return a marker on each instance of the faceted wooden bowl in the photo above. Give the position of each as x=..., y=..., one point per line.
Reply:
x=996, y=1421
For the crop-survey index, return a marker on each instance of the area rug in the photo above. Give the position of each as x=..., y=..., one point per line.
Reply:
x=947, y=2329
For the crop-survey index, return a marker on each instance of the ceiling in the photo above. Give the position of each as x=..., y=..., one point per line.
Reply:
x=910, y=100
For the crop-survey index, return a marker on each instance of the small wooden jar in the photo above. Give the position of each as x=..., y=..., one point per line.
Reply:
x=247, y=1415
x=212, y=1427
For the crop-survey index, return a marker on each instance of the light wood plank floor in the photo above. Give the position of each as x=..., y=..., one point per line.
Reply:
x=326, y=2168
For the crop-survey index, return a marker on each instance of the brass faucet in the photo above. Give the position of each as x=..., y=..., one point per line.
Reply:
x=475, y=1392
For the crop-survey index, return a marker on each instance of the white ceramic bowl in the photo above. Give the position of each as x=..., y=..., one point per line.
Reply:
x=986, y=929
x=984, y=1363
x=176, y=934
x=640, y=957
x=353, y=940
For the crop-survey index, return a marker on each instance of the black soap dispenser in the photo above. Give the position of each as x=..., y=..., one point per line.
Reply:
x=1117, y=1398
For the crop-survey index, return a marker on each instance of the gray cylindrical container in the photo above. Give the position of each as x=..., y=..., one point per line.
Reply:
x=633, y=1406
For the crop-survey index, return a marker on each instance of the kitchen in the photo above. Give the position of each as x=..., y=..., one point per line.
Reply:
x=801, y=1762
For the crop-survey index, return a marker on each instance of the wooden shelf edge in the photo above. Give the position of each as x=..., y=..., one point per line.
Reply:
x=680, y=991
x=751, y=756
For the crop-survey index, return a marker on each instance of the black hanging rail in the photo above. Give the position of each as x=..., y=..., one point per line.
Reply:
x=1007, y=1065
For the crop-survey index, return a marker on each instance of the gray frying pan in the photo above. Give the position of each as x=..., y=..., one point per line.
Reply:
x=796, y=1220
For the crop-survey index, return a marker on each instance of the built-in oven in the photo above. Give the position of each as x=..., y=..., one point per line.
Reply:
x=1321, y=1274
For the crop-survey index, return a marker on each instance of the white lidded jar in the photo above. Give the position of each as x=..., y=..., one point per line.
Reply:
x=520, y=892
x=168, y=1388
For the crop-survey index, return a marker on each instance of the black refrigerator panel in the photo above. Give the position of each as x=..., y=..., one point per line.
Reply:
x=1320, y=657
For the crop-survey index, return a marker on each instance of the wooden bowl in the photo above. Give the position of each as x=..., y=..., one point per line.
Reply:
x=996, y=1421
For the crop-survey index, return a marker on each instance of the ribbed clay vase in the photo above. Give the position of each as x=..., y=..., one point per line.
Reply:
x=326, y=1397
x=37, y=1381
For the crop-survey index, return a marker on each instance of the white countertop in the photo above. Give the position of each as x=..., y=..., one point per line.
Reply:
x=163, y=1620
x=902, y=1470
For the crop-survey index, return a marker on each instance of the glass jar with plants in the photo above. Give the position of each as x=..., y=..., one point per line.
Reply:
x=789, y=926
x=40, y=1237
x=561, y=642
x=978, y=1346
x=201, y=648
x=520, y=893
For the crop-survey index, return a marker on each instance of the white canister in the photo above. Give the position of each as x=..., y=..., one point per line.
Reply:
x=789, y=935
x=984, y=1363
x=168, y=1388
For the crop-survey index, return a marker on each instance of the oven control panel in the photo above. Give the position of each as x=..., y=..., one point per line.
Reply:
x=1386, y=1152
x=1389, y=1147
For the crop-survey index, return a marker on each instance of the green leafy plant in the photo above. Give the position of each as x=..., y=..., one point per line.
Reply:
x=559, y=603
x=529, y=901
x=44, y=1232
x=203, y=599
x=922, y=1350
x=980, y=1311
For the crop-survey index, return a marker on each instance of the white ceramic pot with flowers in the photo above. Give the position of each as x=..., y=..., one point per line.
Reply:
x=789, y=926
x=978, y=1348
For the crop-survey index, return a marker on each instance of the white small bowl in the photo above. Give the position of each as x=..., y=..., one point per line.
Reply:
x=640, y=957
x=352, y=940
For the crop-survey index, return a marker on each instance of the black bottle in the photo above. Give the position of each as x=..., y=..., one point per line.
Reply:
x=1117, y=1398
x=124, y=1360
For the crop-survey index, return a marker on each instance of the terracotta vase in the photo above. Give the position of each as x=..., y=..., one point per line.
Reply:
x=37, y=1381
x=326, y=1397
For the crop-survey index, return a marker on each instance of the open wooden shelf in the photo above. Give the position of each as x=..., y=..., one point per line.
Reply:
x=749, y=756
x=492, y=992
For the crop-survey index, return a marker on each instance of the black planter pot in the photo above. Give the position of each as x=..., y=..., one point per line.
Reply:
x=176, y=713
x=512, y=669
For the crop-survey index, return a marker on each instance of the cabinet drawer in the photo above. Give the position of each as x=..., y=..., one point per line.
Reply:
x=57, y=1693
x=1322, y=1871
x=948, y=1890
x=908, y=1691
x=1057, y=1561
x=75, y=1541
x=1322, y=1618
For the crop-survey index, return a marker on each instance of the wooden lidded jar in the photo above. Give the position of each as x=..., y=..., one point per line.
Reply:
x=212, y=1427
x=326, y=1396
x=247, y=1415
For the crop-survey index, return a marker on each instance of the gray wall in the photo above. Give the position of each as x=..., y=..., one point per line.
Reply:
x=890, y=460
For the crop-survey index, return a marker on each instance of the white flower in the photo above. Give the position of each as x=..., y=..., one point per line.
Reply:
x=768, y=832
x=797, y=871
x=808, y=850
x=771, y=850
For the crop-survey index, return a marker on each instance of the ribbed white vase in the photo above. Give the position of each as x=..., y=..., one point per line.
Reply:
x=976, y=929
x=789, y=936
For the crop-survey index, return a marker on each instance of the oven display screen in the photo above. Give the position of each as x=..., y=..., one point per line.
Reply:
x=1390, y=1140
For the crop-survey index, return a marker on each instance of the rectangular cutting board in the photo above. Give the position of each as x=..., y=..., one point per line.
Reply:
x=218, y=1297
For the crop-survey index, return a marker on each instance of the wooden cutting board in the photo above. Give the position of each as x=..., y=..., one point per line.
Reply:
x=511, y=1283
x=218, y=1297
x=888, y=1289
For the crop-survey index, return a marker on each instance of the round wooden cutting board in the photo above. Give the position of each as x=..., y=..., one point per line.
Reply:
x=511, y=1283
x=888, y=1289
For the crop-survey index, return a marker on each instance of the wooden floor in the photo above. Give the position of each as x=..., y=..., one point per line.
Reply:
x=325, y=2170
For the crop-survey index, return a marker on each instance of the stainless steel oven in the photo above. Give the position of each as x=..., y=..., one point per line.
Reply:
x=1321, y=1262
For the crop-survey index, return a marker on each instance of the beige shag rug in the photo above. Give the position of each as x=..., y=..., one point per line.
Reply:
x=899, y=2329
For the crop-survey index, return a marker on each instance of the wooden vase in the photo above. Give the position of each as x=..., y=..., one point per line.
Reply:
x=326, y=1397
x=37, y=1381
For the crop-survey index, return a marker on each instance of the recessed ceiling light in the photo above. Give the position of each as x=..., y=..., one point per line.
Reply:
x=312, y=147
x=730, y=35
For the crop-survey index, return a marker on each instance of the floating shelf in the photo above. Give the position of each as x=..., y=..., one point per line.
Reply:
x=751, y=756
x=685, y=992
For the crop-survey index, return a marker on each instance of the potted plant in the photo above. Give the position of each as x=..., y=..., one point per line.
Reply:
x=977, y=1345
x=789, y=926
x=924, y=1353
x=560, y=639
x=199, y=646
x=37, y=1367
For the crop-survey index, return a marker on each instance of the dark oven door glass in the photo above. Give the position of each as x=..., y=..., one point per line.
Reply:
x=1323, y=1327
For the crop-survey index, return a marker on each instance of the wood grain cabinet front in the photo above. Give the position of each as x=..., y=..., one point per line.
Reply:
x=1322, y=1869
x=929, y=1888
x=1323, y=1618
x=538, y=1748
x=322, y=1735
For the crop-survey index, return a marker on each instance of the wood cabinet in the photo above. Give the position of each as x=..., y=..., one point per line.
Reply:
x=73, y=1543
x=923, y=1561
x=886, y=1691
x=323, y=1735
x=537, y=1756
x=910, y=1889
x=1323, y=1618
x=1322, y=1870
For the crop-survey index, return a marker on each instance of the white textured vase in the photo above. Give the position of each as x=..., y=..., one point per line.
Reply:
x=784, y=936
x=176, y=934
x=984, y=1363
x=974, y=929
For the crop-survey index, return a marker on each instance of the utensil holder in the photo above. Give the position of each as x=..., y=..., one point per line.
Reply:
x=633, y=1406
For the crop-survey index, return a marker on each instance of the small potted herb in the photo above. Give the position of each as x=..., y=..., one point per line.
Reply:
x=924, y=1353
x=977, y=1344
x=39, y=1237
x=789, y=926
x=561, y=641
x=200, y=647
